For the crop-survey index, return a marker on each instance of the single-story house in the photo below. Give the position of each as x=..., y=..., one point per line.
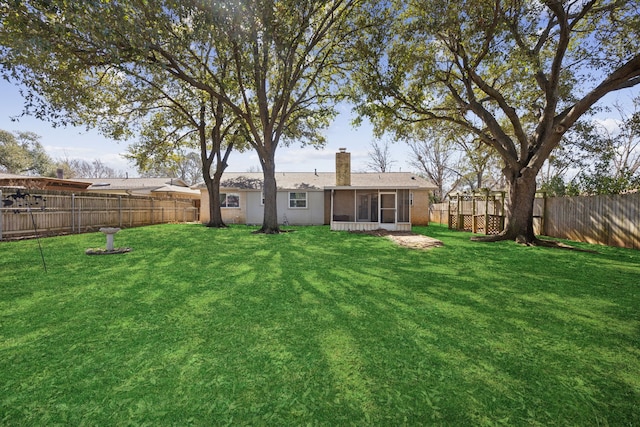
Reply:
x=153, y=187
x=344, y=200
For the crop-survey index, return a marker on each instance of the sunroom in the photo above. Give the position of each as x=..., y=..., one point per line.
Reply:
x=361, y=209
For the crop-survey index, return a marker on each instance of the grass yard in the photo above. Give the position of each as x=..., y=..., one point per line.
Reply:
x=202, y=326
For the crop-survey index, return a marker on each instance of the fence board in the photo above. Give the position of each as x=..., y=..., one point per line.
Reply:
x=62, y=213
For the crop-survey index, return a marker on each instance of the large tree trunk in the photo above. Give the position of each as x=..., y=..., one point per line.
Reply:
x=213, y=188
x=270, y=218
x=519, y=209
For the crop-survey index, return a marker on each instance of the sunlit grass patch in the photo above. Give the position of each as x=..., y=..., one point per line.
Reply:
x=208, y=326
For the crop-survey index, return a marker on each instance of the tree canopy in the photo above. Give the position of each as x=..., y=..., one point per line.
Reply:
x=284, y=60
x=516, y=74
x=22, y=153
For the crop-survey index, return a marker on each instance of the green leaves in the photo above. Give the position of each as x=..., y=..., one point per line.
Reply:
x=22, y=153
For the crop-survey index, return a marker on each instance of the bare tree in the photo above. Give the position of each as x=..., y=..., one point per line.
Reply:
x=380, y=157
x=78, y=168
x=436, y=158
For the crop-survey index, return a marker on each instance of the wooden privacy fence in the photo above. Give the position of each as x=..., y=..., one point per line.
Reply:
x=54, y=212
x=607, y=220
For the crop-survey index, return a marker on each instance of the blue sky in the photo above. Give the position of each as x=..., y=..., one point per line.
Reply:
x=78, y=143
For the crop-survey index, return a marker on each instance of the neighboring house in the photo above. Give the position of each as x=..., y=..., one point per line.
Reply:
x=345, y=200
x=41, y=183
x=154, y=187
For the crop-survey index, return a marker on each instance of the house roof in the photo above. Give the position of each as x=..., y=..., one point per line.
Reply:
x=132, y=183
x=140, y=185
x=324, y=180
x=41, y=182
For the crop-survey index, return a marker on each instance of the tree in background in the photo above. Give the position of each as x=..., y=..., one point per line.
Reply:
x=190, y=119
x=451, y=160
x=380, y=157
x=78, y=168
x=518, y=75
x=479, y=166
x=22, y=153
x=185, y=165
x=597, y=157
x=614, y=155
x=435, y=156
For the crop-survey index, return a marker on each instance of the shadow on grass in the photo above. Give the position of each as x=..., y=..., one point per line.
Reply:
x=222, y=326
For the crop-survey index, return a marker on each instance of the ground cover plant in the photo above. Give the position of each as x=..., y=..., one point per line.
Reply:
x=209, y=326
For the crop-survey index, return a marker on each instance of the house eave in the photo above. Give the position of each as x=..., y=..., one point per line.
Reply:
x=377, y=187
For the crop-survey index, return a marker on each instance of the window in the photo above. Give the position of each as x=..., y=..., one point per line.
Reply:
x=297, y=200
x=229, y=200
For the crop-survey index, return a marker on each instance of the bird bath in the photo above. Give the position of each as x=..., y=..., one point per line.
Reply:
x=109, y=233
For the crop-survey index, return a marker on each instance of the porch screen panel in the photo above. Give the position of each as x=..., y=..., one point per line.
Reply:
x=344, y=206
x=366, y=206
x=403, y=206
x=387, y=208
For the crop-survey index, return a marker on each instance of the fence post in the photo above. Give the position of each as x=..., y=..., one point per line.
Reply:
x=1, y=215
x=460, y=216
x=79, y=215
x=120, y=211
x=486, y=211
x=543, y=230
x=73, y=208
x=502, y=213
x=474, y=225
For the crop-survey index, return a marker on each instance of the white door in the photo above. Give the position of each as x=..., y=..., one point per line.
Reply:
x=388, y=211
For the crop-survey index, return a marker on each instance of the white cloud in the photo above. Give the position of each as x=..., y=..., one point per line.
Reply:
x=610, y=124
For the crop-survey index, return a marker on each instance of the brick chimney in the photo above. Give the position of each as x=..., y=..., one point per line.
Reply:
x=343, y=168
x=60, y=173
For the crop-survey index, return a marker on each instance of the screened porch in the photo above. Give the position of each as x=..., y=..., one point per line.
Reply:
x=371, y=209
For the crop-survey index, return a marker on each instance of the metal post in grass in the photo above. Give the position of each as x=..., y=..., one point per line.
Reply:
x=1, y=215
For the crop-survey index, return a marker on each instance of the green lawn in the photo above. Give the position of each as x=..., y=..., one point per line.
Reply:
x=224, y=327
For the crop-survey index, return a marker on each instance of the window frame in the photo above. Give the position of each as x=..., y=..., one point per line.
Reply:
x=225, y=205
x=294, y=201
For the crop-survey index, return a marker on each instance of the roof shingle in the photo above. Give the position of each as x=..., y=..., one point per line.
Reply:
x=323, y=180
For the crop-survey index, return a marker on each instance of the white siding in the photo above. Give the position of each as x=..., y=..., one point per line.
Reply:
x=313, y=214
